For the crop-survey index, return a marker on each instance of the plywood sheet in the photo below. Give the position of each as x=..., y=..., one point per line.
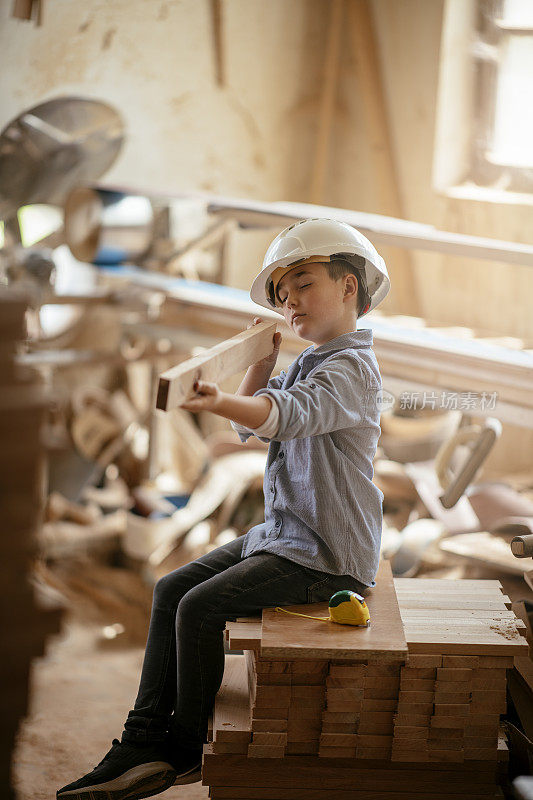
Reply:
x=287, y=636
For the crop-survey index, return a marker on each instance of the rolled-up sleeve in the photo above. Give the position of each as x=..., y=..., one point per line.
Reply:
x=332, y=397
x=243, y=432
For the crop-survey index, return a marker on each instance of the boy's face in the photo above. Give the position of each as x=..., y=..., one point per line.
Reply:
x=315, y=306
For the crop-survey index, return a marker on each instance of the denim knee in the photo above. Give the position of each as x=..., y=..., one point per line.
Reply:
x=169, y=590
x=194, y=607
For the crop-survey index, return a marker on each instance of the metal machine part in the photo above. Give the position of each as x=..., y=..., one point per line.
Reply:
x=51, y=148
x=107, y=227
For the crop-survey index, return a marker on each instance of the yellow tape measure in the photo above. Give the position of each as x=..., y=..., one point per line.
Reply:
x=345, y=607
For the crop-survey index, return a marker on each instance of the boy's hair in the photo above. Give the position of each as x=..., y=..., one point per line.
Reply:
x=338, y=267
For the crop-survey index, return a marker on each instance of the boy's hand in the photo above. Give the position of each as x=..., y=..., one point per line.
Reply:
x=267, y=364
x=207, y=398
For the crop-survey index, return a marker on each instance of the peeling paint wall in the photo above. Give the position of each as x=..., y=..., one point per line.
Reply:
x=153, y=60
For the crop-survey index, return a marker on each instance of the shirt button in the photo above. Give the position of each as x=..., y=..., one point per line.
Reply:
x=271, y=488
x=278, y=523
x=281, y=455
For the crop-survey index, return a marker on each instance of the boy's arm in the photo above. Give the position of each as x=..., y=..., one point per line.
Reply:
x=341, y=393
x=250, y=412
x=256, y=378
x=245, y=412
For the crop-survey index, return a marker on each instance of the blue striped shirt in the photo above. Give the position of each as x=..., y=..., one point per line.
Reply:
x=322, y=509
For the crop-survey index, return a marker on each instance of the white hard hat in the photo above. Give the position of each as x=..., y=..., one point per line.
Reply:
x=305, y=240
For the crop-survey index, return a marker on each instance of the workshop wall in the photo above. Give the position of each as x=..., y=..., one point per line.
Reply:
x=254, y=135
x=154, y=62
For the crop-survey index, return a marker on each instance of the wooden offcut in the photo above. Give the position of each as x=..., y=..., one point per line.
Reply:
x=231, y=715
x=217, y=363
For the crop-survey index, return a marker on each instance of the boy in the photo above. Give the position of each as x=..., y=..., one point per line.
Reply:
x=323, y=514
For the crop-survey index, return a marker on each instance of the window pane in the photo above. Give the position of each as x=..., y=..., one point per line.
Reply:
x=512, y=142
x=518, y=13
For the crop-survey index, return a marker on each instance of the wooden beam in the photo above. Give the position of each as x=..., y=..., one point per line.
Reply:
x=218, y=49
x=379, y=228
x=216, y=364
x=327, y=102
x=374, y=113
x=22, y=9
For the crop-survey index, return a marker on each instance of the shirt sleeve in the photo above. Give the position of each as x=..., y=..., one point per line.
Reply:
x=270, y=425
x=277, y=381
x=332, y=397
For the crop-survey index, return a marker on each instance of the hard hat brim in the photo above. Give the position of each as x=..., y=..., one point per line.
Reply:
x=259, y=289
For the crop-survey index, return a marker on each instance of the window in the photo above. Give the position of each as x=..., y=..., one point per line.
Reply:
x=484, y=136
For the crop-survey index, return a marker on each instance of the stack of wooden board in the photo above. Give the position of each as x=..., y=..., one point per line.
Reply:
x=315, y=710
x=22, y=409
x=462, y=639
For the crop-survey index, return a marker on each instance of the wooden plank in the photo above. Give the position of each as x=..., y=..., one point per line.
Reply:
x=308, y=772
x=268, y=738
x=264, y=793
x=219, y=362
x=287, y=636
x=244, y=635
x=231, y=714
x=414, y=614
x=381, y=229
x=269, y=725
x=465, y=645
x=454, y=674
x=265, y=751
x=270, y=713
x=422, y=660
x=266, y=696
x=448, y=585
x=453, y=603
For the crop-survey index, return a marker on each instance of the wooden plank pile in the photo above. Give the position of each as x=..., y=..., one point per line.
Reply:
x=25, y=628
x=314, y=710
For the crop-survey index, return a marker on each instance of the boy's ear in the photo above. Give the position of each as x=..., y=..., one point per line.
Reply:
x=351, y=275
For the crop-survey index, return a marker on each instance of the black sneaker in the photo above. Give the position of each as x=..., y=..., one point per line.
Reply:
x=126, y=772
x=188, y=765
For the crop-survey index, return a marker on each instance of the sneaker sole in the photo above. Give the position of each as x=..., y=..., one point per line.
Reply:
x=192, y=776
x=132, y=785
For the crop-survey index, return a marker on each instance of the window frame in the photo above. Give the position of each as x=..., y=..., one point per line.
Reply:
x=472, y=35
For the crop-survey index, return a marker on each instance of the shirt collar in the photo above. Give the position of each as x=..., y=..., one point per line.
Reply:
x=360, y=338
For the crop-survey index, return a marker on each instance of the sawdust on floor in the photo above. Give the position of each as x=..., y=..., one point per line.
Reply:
x=81, y=692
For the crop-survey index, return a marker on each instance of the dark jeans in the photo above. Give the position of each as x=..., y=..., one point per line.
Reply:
x=184, y=659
